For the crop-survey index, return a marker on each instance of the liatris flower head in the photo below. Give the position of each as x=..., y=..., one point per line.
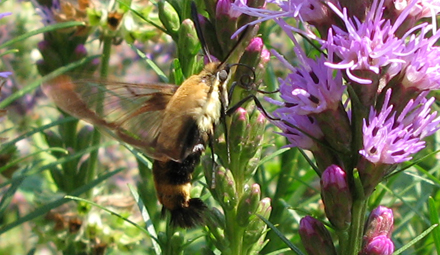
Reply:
x=390, y=138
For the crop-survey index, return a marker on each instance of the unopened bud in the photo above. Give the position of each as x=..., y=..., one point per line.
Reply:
x=336, y=196
x=315, y=237
x=169, y=17
x=379, y=245
x=248, y=204
x=380, y=222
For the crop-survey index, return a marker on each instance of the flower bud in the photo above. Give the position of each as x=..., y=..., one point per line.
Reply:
x=225, y=191
x=315, y=237
x=225, y=23
x=335, y=125
x=169, y=17
x=248, y=204
x=336, y=196
x=84, y=137
x=80, y=51
x=188, y=46
x=51, y=59
x=238, y=131
x=379, y=245
x=54, y=140
x=371, y=174
x=380, y=222
x=177, y=241
x=256, y=229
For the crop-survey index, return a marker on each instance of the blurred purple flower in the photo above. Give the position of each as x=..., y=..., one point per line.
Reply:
x=48, y=13
x=391, y=139
x=422, y=8
x=5, y=74
x=421, y=69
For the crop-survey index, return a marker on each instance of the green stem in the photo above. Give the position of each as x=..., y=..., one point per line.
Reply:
x=96, y=139
x=357, y=227
x=234, y=233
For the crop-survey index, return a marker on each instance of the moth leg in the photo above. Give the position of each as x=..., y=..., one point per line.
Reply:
x=211, y=145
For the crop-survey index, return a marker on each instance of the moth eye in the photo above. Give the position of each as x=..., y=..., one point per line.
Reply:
x=223, y=75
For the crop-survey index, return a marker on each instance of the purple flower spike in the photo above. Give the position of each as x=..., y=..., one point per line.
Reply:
x=380, y=245
x=391, y=140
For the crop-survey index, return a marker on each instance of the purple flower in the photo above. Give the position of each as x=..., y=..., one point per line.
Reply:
x=224, y=8
x=380, y=245
x=5, y=14
x=422, y=8
x=391, y=139
x=5, y=74
x=310, y=88
x=367, y=46
x=301, y=131
x=313, y=11
x=48, y=13
x=421, y=69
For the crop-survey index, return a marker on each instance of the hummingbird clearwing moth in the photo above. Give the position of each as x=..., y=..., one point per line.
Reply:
x=170, y=124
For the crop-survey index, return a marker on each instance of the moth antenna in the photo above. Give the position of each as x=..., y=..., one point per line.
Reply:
x=195, y=18
x=240, y=40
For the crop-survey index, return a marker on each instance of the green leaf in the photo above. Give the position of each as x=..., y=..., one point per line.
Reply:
x=415, y=240
x=42, y=30
x=46, y=208
x=281, y=236
x=107, y=210
x=7, y=196
x=153, y=65
x=146, y=217
x=57, y=162
x=37, y=130
x=434, y=218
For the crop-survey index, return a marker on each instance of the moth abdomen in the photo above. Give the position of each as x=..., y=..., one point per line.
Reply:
x=173, y=184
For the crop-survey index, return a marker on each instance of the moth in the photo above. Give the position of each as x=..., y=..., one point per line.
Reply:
x=170, y=124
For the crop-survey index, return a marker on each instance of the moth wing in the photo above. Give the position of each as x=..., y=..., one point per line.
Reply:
x=132, y=113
